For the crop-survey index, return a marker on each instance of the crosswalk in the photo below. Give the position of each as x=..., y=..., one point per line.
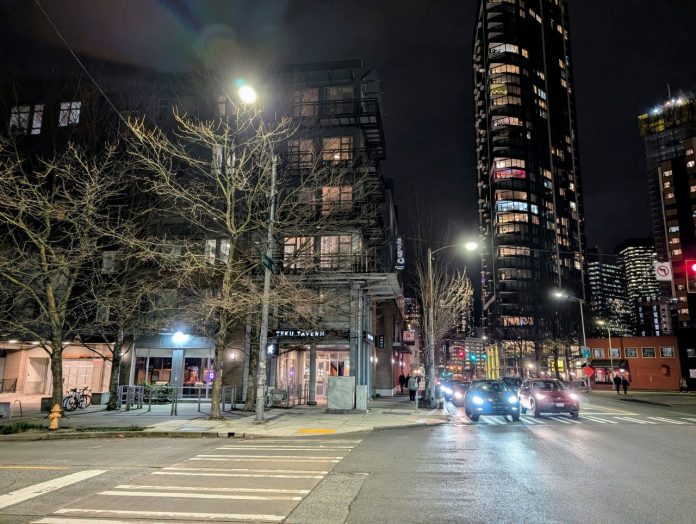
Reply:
x=243, y=481
x=584, y=419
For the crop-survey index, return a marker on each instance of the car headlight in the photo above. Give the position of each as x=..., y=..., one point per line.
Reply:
x=539, y=395
x=512, y=399
x=574, y=396
x=457, y=394
x=477, y=400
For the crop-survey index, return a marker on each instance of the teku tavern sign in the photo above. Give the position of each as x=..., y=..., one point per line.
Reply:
x=299, y=333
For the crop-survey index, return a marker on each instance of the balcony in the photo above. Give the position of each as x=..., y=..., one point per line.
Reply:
x=328, y=263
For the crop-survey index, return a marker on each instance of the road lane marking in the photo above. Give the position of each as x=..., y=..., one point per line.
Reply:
x=690, y=419
x=272, y=459
x=68, y=520
x=42, y=488
x=230, y=490
x=530, y=420
x=600, y=420
x=636, y=420
x=300, y=457
x=34, y=467
x=667, y=420
x=492, y=421
x=293, y=448
x=562, y=420
x=216, y=496
x=236, y=475
x=302, y=471
x=173, y=514
x=316, y=431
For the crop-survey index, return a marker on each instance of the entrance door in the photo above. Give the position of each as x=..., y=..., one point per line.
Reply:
x=37, y=373
x=77, y=373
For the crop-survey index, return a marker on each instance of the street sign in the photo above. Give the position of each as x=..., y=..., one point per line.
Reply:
x=272, y=349
x=380, y=341
x=588, y=371
x=586, y=353
x=663, y=271
x=267, y=262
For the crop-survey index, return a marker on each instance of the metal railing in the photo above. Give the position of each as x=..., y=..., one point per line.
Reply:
x=8, y=385
x=132, y=396
x=16, y=401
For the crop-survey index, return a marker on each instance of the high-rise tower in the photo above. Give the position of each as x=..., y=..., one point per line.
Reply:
x=530, y=198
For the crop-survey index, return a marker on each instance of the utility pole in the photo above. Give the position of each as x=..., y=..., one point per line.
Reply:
x=431, y=330
x=263, y=337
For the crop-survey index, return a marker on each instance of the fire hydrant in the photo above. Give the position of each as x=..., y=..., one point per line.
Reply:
x=53, y=416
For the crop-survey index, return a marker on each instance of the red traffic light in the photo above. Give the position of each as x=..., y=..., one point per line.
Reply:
x=690, y=266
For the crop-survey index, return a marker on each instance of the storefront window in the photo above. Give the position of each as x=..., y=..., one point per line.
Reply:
x=153, y=370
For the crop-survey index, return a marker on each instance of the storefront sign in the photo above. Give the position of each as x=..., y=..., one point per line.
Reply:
x=380, y=341
x=299, y=333
x=400, y=259
x=409, y=337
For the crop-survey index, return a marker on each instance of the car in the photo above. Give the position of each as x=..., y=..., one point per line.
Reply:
x=490, y=397
x=513, y=383
x=544, y=395
x=455, y=391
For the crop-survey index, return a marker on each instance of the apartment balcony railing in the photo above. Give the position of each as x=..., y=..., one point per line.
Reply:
x=331, y=262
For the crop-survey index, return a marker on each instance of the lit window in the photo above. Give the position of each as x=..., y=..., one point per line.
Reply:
x=27, y=119
x=506, y=121
x=336, y=198
x=306, y=102
x=336, y=251
x=648, y=352
x=689, y=152
x=504, y=68
x=298, y=252
x=508, y=162
x=337, y=148
x=691, y=163
x=301, y=151
x=69, y=113
x=667, y=173
x=598, y=353
x=507, y=100
x=631, y=352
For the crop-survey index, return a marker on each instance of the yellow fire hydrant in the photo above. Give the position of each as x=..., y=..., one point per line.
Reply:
x=53, y=416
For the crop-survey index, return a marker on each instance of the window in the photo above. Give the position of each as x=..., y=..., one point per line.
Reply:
x=298, y=252
x=506, y=218
x=222, y=105
x=506, y=121
x=301, y=151
x=108, y=262
x=306, y=102
x=336, y=198
x=210, y=248
x=689, y=152
x=631, y=352
x=26, y=120
x=504, y=48
x=690, y=352
x=507, y=100
x=648, y=352
x=69, y=113
x=615, y=353
x=508, y=162
x=513, y=251
x=336, y=93
x=667, y=352
x=504, y=68
x=691, y=163
x=511, y=205
x=336, y=251
x=598, y=353
x=337, y=148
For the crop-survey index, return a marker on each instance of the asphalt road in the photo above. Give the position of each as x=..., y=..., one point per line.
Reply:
x=621, y=462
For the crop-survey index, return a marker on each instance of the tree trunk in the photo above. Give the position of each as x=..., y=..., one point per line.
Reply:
x=57, y=372
x=250, y=404
x=216, y=392
x=555, y=364
x=114, y=376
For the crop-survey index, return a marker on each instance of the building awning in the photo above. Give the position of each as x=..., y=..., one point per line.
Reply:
x=606, y=363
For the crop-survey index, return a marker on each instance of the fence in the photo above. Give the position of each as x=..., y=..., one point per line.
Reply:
x=8, y=385
x=132, y=396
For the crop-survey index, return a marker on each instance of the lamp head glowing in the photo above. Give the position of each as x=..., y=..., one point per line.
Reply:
x=471, y=246
x=247, y=94
x=180, y=337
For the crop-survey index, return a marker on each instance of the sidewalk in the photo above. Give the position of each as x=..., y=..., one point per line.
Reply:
x=659, y=398
x=383, y=413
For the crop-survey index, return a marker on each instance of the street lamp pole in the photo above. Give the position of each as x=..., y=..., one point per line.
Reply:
x=263, y=337
x=431, y=330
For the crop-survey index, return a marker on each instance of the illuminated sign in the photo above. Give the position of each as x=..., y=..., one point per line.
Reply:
x=299, y=333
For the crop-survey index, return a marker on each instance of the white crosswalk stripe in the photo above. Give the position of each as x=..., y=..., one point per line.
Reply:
x=599, y=420
x=273, y=477
x=636, y=420
x=690, y=419
x=667, y=420
x=531, y=420
x=562, y=420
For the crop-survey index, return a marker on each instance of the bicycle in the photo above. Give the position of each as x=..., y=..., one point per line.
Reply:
x=77, y=398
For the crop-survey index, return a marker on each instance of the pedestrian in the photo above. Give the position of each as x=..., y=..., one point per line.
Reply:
x=617, y=384
x=402, y=382
x=683, y=386
x=624, y=383
x=412, y=389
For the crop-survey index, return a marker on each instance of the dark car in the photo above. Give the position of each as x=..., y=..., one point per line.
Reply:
x=548, y=396
x=513, y=383
x=490, y=397
x=455, y=391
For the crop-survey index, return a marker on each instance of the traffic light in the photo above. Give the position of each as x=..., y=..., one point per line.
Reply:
x=691, y=276
x=472, y=357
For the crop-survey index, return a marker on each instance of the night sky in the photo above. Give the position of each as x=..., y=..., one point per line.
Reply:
x=625, y=53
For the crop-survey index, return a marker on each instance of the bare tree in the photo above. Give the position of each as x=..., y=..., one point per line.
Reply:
x=52, y=216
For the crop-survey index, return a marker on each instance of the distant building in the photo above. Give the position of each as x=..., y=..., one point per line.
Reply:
x=530, y=191
x=607, y=292
x=650, y=309
x=649, y=362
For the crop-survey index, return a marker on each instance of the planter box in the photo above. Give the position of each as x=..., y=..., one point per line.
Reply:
x=100, y=398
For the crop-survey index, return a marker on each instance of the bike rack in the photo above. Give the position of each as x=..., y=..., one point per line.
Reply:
x=21, y=414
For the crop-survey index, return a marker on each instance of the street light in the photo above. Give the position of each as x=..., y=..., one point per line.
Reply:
x=562, y=295
x=469, y=246
x=604, y=323
x=247, y=94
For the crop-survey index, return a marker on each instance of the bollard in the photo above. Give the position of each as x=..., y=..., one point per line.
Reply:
x=53, y=416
